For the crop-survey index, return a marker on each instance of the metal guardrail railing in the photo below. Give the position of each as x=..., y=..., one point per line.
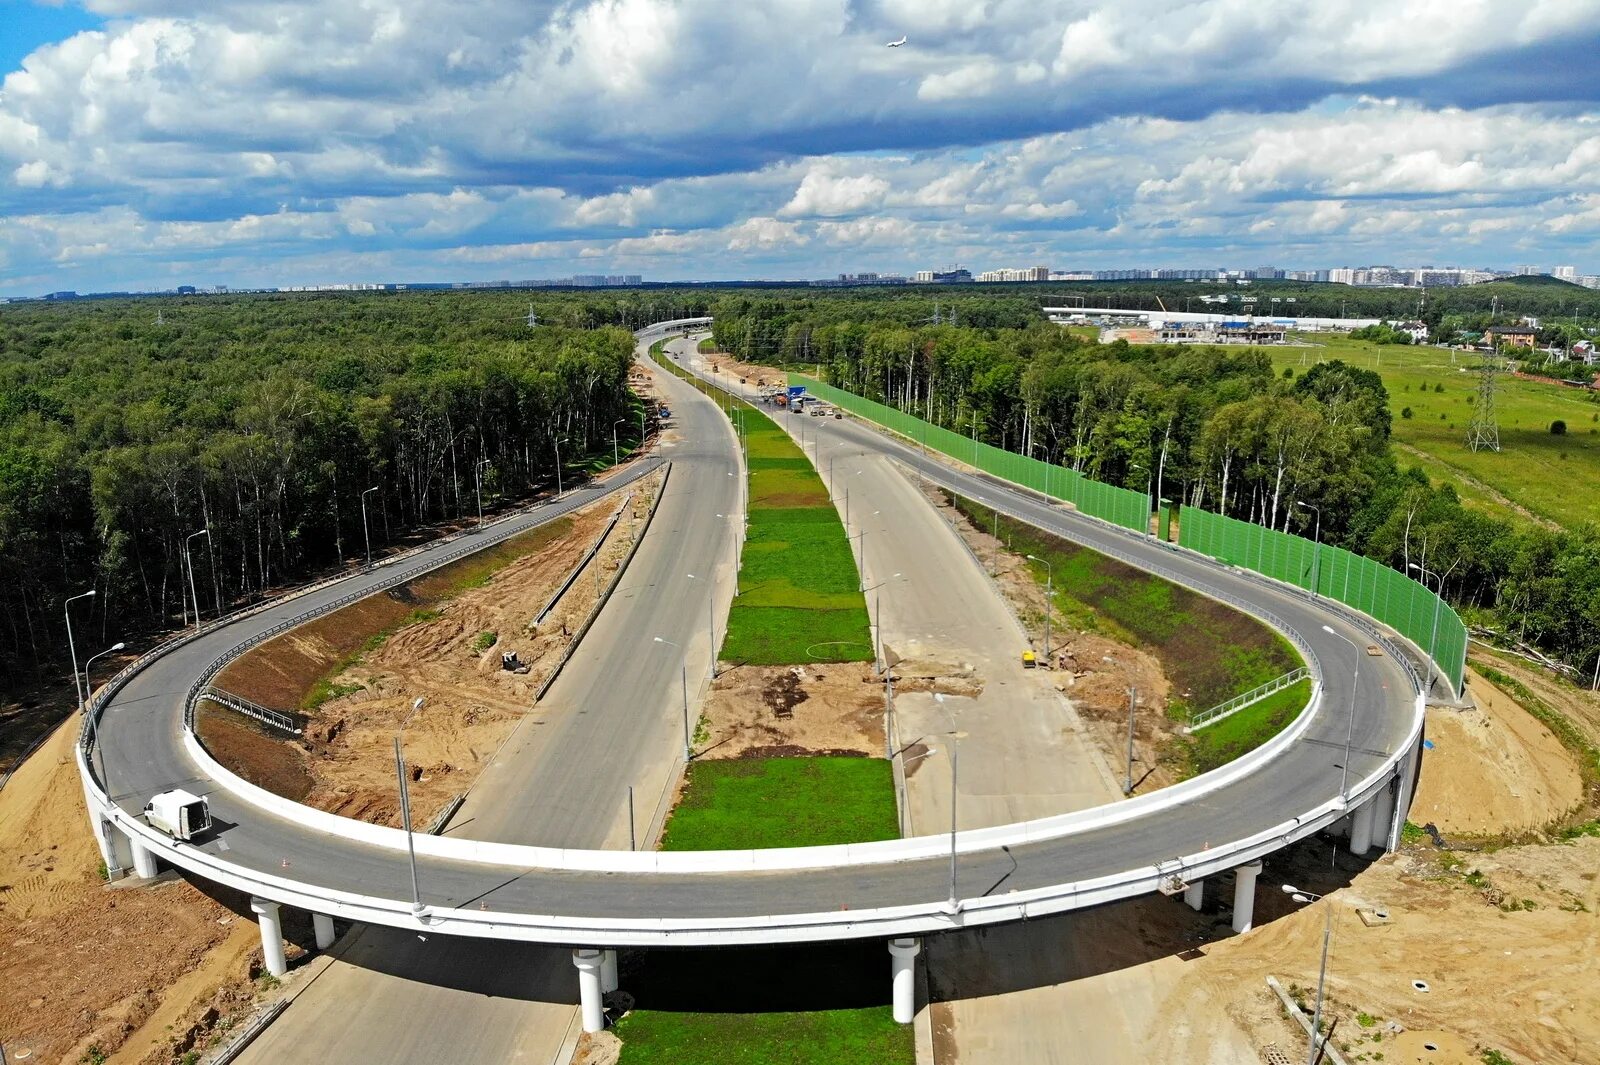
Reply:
x=1239, y=702
x=278, y=719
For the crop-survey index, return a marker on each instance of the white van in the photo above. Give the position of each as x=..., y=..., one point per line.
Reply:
x=179, y=814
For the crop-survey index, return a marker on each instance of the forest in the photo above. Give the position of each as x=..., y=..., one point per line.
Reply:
x=128, y=426
x=1306, y=452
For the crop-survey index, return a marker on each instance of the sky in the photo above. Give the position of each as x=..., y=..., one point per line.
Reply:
x=151, y=143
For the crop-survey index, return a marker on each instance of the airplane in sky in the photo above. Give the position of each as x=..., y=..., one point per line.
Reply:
x=897, y=44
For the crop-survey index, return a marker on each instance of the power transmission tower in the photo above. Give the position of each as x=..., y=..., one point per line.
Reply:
x=1484, y=432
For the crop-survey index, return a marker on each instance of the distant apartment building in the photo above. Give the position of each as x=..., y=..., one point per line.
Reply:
x=950, y=275
x=848, y=280
x=1566, y=273
x=1029, y=273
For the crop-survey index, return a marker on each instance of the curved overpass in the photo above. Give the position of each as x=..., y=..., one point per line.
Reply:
x=282, y=852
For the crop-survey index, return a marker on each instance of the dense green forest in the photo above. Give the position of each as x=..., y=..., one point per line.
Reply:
x=1205, y=426
x=126, y=426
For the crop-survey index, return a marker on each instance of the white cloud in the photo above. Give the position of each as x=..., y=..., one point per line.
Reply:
x=824, y=192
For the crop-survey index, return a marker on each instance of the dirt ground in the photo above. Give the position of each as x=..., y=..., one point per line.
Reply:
x=828, y=708
x=1092, y=670
x=470, y=704
x=1494, y=769
x=134, y=970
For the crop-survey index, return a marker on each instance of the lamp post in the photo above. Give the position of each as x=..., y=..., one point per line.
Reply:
x=1316, y=558
x=1350, y=729
x=477, y=484
x=711, y=618
x=94, y=725
x=556, y=443
x=1049, y=598
x=616, y=459
x=687, y=752
x=1433, y=638
x=188, y=561
x=405, y=819
x=72, y=648
x=1150, y=483
x=877, y=612
x=366, y=534
x=1322, y=972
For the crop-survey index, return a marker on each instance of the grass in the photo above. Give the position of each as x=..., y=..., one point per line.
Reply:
x=1244, y=731
x=824, y=1037
x=799, y=598
x=1550, y=478
x=783, y=802
x=1210, y=652
x=325, y=689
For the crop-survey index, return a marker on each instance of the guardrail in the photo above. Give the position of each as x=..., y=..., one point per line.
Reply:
x=274, y=718
x=1239, y=702
x=572, y=578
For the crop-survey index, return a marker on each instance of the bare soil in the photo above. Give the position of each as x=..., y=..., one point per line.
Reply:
x=764, y=711
x=85, y=964
x=345, y=762
x=1494, y=769
x=1092, y=670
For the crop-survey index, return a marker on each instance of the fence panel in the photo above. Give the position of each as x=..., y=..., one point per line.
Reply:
x=1392, y=597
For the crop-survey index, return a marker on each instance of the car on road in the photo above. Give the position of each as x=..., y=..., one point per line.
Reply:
x=180, y=814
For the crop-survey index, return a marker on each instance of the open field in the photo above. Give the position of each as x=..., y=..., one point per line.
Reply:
x=1535, y=476
x=731, y=804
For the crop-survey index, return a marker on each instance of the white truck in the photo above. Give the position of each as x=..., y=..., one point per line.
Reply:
x=179, y=814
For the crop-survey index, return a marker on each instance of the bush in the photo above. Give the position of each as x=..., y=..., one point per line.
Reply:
x=1558, y=428
x=484, y=641
x=1405, y=412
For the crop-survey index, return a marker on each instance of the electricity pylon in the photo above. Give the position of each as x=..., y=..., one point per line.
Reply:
x=1484, y=432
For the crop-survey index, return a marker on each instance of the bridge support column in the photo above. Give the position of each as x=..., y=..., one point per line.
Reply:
x=608, y=971
x=1383, y=818
x=322, y=926
x=271, y=922
x=1244, y=896
x=1195, y=895
x=903, y=977
x=1361, y=827
x=144, y=863
x=588, y=964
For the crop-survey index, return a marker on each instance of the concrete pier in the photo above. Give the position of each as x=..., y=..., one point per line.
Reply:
x=271, y=922
x=902, y=975
x=588, y=962
x=1244, y=896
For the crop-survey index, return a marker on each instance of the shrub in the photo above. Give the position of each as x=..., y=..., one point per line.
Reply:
x=1405, y=412
x=484, y=641
x=1558, y=428
x=1439, y=387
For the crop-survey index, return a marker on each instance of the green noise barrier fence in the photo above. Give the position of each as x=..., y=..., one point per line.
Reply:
x=1370, y=587
x=1131, y=510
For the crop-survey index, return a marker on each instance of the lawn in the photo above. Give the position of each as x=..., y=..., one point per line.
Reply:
x=825, y=1037
x=1550, y=478
x=1244, y=731
x=749, y=803
x=799, y=599
x=1210, y=652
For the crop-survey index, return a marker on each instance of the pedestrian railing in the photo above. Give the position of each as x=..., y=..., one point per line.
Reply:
x=278, y=719
x=1249, y=698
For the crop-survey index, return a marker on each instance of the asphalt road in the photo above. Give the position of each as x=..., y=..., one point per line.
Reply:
x=142, y=733
x=560, y=780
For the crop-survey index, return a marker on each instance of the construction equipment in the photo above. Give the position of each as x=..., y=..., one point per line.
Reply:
x=1029, y=660
x=510, y=662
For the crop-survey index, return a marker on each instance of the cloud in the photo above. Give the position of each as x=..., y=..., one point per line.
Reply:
x=393, y=134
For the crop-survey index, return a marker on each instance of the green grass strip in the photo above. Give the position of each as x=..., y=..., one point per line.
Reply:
x=1243, y=731
x=757, y=803
x=799, y=598
x=825, y=1037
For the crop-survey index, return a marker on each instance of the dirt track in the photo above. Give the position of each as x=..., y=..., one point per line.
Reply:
x=765, y=710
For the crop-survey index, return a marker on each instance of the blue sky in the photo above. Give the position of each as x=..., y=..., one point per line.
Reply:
x=150, y=143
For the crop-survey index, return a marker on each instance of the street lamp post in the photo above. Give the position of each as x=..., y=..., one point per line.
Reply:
x=1433, y=638
x=955, y=761
x=1316, y=558
x=188, y=561
x=711, y=616
x=405, y=819
x=1322, y=972
x=616, y=459
x=1133, y=701
x=1350, y=729
x=477, y=484
x=556, y=443
x=366, y=533
x=1049, y=599
x=688, y=753
x=94, y=725
x=72, y=648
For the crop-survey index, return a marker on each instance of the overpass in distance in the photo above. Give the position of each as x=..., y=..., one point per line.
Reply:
x=138, y=740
